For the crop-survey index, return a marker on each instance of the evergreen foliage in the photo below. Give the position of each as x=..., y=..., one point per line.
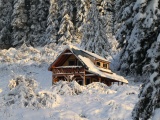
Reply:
x=5, y=20
x=149, y=98
x=40, y=22
x=19, y=23
x=66, y=28
x=53, y=22
x=38, y=13
x=94, y=37
x=136, y=22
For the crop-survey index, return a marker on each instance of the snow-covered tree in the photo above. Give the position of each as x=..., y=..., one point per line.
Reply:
x=149, y=98
x=105, y=8
x=19, y=23
x=60, y=28
x=94, y=36
x=136, y=22
x=66, y=30
x=40, y=22
x=54, y=19
x=5, y=20
x=37, y=22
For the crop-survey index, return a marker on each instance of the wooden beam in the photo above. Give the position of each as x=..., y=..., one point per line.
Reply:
x=75, y=74
x=99, y=79
x=90, y=75
x=69, y=53
x=54, y=79
x=84, y=78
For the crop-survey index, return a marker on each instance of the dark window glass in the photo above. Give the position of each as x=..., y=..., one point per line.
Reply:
x=98, y=63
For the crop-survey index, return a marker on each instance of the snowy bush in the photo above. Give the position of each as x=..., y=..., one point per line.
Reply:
x=29, y=54
x=97, y=87
x=73, y=88
x=23, y=91
x=67, y=88
x=48, y=99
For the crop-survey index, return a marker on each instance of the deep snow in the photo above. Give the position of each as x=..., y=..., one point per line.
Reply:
x=92, y=102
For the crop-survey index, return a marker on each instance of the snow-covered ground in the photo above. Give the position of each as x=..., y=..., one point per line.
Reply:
x=92, y=102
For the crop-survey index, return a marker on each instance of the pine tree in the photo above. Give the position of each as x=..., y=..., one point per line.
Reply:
x=37, y=22
x=19, y=23
x=67, y=29
x=136, y=23
x=94, y=37
x=82, y=7
x=5, y=20
x=149, y=98
x=60, y=28
x=105, y=8
x=54, y=19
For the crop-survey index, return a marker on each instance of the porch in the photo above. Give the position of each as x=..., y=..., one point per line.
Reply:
x=79, y=74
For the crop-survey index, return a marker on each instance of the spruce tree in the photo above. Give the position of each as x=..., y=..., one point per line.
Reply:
x=53, y=22
x=136, y=23
x=66, y=31
x=82, y=7
x=37, y=22
x=61, y=29
x=94, y=37
x=149, y=98
x=19, y=23
x=5, y=20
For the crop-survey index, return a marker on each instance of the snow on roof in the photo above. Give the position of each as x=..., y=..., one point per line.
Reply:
x=106, y=70
x=95, y=55
x=71, y=47
x=94, y=69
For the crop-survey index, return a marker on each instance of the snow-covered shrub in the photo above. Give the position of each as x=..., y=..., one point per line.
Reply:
x=23, y=91
x=67, y=88
x=48, y=99
x=97, y=87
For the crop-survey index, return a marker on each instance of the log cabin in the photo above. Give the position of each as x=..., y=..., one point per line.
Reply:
x=84, y=67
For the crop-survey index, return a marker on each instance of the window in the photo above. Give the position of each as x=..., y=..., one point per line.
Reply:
x=71, y=62
x=98, y=63
x=105, y=65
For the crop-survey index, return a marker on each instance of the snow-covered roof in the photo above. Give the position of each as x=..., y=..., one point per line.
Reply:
x=96, y=70
x=86, y=53
x=84, y=56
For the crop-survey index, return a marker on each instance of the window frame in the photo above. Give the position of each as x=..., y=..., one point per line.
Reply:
x=105, y=65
